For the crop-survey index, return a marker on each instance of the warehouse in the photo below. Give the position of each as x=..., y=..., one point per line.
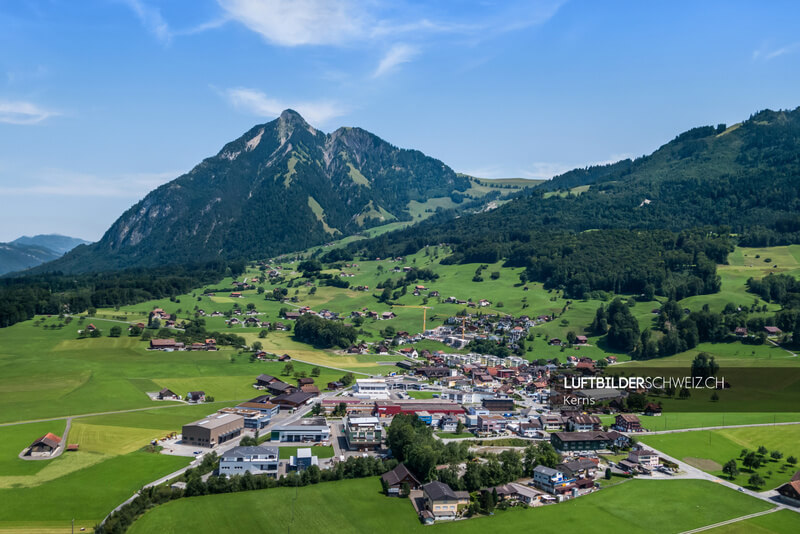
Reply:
x=213, y=430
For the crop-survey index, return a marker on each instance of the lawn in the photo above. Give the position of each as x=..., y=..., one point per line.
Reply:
x=680, y=420
x=710, y=449
x=453, y=435
x=321, y=451
x=356, y=506
x=422, y=394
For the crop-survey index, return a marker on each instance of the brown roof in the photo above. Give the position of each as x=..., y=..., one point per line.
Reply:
x=49, y=439
x=162, y=342
x=629, y=417
x=398, y=474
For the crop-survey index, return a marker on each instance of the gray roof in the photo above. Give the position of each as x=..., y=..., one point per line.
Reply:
x=398, y=474
x=439, y=491
x=238, y=452
x=547, y=471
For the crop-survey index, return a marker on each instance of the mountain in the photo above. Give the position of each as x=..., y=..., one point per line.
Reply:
x=55, y=242
x=26, y=252
x=282, y=186
x=657, y=214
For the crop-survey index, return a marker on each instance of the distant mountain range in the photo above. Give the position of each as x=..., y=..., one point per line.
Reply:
x=26, y=252
x=282, y=186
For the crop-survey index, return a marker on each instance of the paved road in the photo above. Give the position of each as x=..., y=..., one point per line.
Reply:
x=729, y=521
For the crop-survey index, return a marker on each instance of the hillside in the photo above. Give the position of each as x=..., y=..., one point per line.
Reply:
x=26, y=252
x=17, y=257
x=55, y=242
x=282, y=186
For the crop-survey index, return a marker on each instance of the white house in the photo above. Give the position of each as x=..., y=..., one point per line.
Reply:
x=255, y=460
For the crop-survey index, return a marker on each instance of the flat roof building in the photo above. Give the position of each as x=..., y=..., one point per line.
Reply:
x=213, y=430
x=362, y=432
x=307, y=429
x=371, y=388
x=255, y=460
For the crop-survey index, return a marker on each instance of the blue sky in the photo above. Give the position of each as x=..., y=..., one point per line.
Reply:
x=102, y=100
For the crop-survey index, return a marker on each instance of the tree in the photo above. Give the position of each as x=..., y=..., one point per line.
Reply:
x=288, y=369
x=257, y=345
x=731, y=469
x=115, y=331
x=315, y=371
x=608, y=473
x=762, y=451
x=751, y=461
x=262, y=334
x=685, y=393
x=459, y=427
x=95, y=333
x=405, y=489
x=791, y=460
x=755, y=480
x=776, y=455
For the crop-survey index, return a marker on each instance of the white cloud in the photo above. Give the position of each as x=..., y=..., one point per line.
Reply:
x=18, y=112
x=259, y=104
x=151, y=19
x=65, y=183
x=299, y=22
x=765, y=53
x=397, y=55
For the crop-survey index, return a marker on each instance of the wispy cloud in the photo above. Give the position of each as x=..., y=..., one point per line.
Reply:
x=299, y=22
x=766, y=53
x=539, y=170
x=65, y=183
x=151, y=18
x=19, y=112
x=397, y=55
x=261, y=105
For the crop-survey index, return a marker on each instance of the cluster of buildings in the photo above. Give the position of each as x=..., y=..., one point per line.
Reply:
x=170, y=345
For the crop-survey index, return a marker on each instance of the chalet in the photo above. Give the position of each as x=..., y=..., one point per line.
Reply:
x=284, y=358
x=499, y=405
x=580, y=441
x=291, y=400
x=335, y=385
x=304, y=381
x=627, y=422
x=740, y=331
x=483, y=303
x=618, y=440
x=579, y=468
x=279, y=387
x=652, y=409
x=584, y=423
x=790, y=492
x=554, y=341
x=434, y=372
x=196, y=396
x=292, y=316
x=265, y=380
x=397, y=477
x=772, y=331
x=236, y=295
x=167, y=394
x=581, y=340
x=388, y=315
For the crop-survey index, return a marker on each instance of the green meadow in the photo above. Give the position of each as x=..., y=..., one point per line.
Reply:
x=777, y=522
x=710, y=449
x=356, y=506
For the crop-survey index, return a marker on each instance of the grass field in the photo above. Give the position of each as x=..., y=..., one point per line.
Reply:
x=710, y=449
x=356, y=506
x=779, y=522
x=679, y=420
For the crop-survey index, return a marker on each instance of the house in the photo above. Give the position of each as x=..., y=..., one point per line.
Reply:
x=196, y=396
x=236, y=295
x=449, y=423
x=652, y=409
x=303, y=460
x=580, y=441
x=548, y=479
x=279, y=387
x=262, y=404
x=291, y=400
x=362, y=433
x=167, y=345
x=335, y=385
x=581, y=340
x=772, y=331
x=263, y=380
x=167, y=394
x=311, y=389
x=442, y=502
x=492, y=423
x=303, y=381
x=627, y=422
x=253, y=460
x=554, y=341
x=292, y=315
x=388, y=315
x=524, y=494
x=618, y=440
x=790, y=492
x=499, y=405
x=44, y=446
x=397, y=477
x=583, y=423
x=643, y=457
x=579, y=468
x=740, y=331
x=284, y=358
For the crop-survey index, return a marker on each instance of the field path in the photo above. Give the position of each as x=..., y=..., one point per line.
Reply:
x=70, y=417
x=780, y=347
x=729, y=521
x=59, y=450
x=695, y=429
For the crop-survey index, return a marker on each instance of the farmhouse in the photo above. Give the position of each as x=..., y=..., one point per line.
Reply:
x=167, y=394
x=790, y=492
x=627, y=422
x=396, y=477
x=44, y=446
x=291, y=400
x=772, y=331
x=306, y=429
x=167, y=345
x=643, y=457
x=213, y=430
x=196, y=396
x=253, y=460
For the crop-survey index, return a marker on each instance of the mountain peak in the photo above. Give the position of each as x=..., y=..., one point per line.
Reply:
x=290, y=115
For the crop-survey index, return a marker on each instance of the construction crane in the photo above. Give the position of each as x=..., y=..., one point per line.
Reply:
x=424, y=312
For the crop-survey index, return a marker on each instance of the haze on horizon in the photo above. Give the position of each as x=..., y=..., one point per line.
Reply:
x=103, y=100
